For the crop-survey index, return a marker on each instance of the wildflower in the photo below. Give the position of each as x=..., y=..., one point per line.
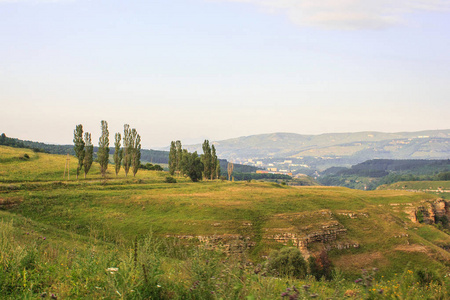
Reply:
x=358, y=280
x=158, y=285
x=285, y=294
x=112, y=270
x=53, y=296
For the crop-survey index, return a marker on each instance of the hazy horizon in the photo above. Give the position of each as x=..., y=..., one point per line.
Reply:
x=191, y=70
x=200, y=141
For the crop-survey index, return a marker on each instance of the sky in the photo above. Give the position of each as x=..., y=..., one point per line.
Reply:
x=191, y=70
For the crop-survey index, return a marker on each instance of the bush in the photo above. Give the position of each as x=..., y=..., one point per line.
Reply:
x=170, y=179
x=321, y=266
x=425, y=277
x=287, y=262
x=419, y=216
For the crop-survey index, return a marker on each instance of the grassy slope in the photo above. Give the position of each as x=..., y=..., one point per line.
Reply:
x=118, y=210
x=417, y=185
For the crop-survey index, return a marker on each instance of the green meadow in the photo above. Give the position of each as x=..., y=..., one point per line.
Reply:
x=142, y=238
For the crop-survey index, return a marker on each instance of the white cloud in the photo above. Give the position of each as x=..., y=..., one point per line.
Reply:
x=348, y=14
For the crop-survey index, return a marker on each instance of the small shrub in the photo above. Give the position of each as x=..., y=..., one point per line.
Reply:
x=425, y=277
x=320, y=266
x=287, y=262
x=419, y=216
x=170, y=179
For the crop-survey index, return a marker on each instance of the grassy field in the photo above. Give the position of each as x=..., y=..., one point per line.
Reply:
x=59, y=236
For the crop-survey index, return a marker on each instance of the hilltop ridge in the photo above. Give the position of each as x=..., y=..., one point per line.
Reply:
x=338, y=149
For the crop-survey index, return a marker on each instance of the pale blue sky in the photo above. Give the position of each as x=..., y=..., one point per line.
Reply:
x=216, y=69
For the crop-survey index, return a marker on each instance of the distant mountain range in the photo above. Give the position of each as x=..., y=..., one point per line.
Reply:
x=335, y=149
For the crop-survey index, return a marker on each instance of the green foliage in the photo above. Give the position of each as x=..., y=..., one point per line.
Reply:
x=103, y=149
x=179, y=154
x=320, y=266
x=89, y=153
x=151, y=167
x=260, y=176
x=206, y=158
x=170, y=179
x=155, y=156
x=443, y=176
x=36, y=147
x=127, y=148
x=215, y=166
x=287, y=262
x=373, y=173
x=425, y=277
x=192, y=166
x=79, y=146
x=419, y=216
x=118, y=153
x=136, y=154
x=172, y=158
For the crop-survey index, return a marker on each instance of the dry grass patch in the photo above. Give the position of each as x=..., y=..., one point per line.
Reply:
x=412, y=248
x=360, y=261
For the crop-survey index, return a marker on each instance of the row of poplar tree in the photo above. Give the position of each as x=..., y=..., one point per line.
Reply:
x=189, y=164
x=129, y=155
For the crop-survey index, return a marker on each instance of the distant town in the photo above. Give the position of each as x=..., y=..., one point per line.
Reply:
x=287, y=167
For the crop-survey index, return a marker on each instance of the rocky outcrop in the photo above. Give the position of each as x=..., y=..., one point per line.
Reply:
x=293, y=229
x=353, y=215
x=228, y=243
x=442, y=208
x=429, y=212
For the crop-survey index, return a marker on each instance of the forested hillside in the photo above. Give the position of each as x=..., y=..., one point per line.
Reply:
x=373, y=173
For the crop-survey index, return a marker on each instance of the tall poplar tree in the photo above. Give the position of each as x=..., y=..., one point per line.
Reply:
x=118, y=153
x=173, y=163
x=127, y=148
x=79, y=146
x=136, y=156
x=183, y=164
x=89, y=153
x=206, y=159
x=215, y=165
x=179, y=157
x=230, y=168
x=103, y=149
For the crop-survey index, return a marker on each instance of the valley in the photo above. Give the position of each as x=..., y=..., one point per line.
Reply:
x=242, y=220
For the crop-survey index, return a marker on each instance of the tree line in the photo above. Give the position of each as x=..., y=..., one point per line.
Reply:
x=128, y=156
x=16, y=143
x=182, y=162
